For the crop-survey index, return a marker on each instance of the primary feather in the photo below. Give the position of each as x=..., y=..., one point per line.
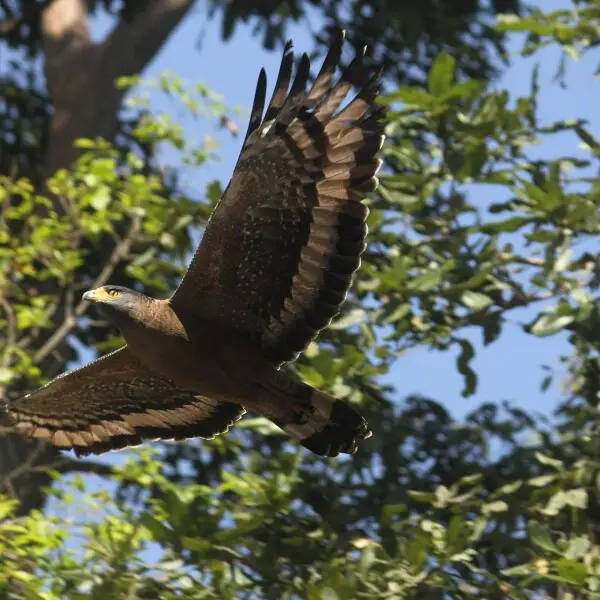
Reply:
x=286, y=238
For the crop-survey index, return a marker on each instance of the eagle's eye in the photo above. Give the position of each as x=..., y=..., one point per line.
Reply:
x=113, y=293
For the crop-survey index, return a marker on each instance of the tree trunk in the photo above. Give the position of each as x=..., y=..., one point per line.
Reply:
x=80, y=77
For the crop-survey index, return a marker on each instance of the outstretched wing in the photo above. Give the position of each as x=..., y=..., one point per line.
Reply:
x=114, y=402
x=285, y=239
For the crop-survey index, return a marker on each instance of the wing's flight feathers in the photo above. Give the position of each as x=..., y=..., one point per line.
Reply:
x=290, y=230
x=351, y=76
x=295, y=99
x=114, y=402
x=282, y=84
x=322, y=83
x=258, y=104
x=339, y=151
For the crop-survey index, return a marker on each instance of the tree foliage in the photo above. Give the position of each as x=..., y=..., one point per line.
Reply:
x=501, y=504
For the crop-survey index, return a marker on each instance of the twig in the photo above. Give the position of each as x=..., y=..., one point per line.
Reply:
x=525, y=260
x=27, y=465
x=65, y=464
x=119, y=253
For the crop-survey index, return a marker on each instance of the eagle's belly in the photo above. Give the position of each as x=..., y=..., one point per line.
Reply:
x=212, y=363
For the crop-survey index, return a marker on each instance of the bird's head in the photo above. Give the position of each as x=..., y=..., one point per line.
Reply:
x=116, y=301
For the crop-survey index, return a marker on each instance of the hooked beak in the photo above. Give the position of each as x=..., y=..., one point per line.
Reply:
x=89, y=296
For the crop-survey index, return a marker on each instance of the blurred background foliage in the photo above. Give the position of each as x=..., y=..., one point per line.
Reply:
x=500, y=504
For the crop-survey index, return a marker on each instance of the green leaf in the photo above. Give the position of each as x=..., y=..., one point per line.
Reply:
x=353, y=317
x=442, y=495
x=550, y=323
x=511, y=22
x=441, y=74
x=6, y=375
x=416, y=552
x=330, y=594
x=510, y=488
x=571, y=570
x=577, y=498
x=100, y=199
x=540, y=536
x=475, y=300
x=411, y=96
x=588, y=138
x=426, y=281
x=563, y=261
x=458, y=532
x=394, y=311
x=7, y=506
x=548, y=460
x=494, y=507
x=541, y=481
x=507, y=226
x=556, y=503
x=196, y=544
x=578, y=547
x=367, y=558
x=422, y=496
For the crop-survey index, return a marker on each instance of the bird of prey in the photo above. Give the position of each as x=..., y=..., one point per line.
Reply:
x=273, y=267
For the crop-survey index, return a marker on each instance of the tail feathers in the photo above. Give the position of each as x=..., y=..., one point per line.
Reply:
x=325, y=425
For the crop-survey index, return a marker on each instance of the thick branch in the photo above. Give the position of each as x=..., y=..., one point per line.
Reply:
x=133, y=44
x=66, y=39
x=65, y=464
x=81, y=75
x=70, y=64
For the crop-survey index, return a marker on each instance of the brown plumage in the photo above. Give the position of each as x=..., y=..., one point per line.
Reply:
x=272, y=270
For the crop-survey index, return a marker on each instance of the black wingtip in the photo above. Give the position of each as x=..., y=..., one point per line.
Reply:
x=302, y=73
x=339, y=37
x=333, y=56
x=258, y=104
x=282, y=83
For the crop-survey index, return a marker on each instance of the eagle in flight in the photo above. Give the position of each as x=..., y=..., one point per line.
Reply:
x=272, y=269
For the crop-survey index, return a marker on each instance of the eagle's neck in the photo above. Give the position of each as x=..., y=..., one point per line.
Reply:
x=152, y=316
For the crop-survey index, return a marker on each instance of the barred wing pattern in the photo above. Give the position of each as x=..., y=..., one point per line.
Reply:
x=287, y=236
x=114, y=402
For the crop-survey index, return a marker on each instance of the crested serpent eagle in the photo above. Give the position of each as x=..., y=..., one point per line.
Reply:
x=273, y=267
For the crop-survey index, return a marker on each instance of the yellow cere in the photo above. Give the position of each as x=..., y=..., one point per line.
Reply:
x=101, y=294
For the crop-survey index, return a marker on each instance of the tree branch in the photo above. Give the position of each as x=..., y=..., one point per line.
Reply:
x=67, y=41
x=119, y=253
x=81, y=75
x=133, y=44
x=65, y=464
x=70, y=67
